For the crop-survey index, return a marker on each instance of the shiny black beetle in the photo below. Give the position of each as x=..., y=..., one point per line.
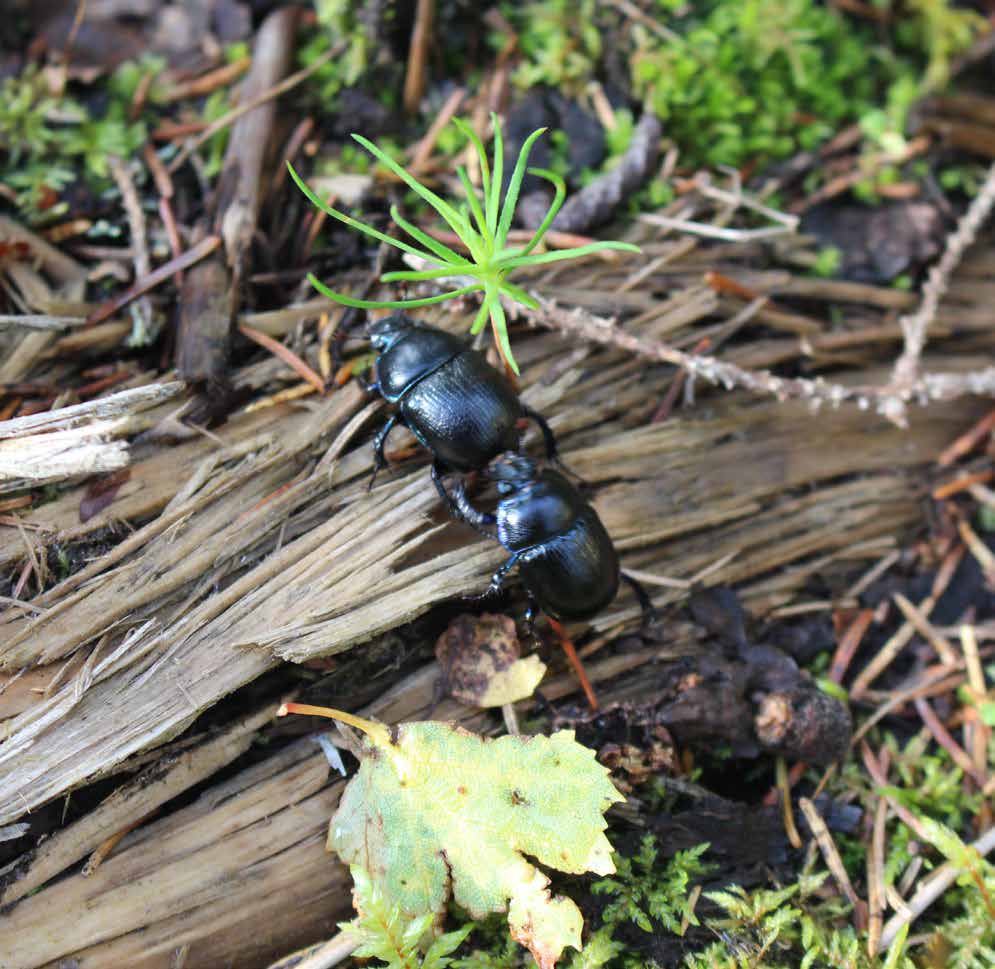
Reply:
x=457, y=405
x=566, y=558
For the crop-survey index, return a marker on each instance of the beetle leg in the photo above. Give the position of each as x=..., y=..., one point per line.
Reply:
x=369, y=386
x=460, y=505
x=440, y=486
x=379, y=461
x=497, y=579
x=531, y=612
x=650, y=615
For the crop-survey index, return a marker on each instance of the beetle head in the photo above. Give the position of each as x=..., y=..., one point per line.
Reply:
x=511, y=471
x=388, y=331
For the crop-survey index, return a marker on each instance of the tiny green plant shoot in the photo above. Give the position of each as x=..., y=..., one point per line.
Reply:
x=482, y=225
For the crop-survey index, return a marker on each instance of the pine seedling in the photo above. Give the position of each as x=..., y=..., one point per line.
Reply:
x=482, y=224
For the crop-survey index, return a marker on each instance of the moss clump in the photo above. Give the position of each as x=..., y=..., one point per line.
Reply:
x=47, y=139
x=747, y=81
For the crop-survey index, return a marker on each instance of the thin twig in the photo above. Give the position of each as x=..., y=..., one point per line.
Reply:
x=931, y=889
x=709, y=231
x=139, y=246
x=230, y=117
x=944, y=386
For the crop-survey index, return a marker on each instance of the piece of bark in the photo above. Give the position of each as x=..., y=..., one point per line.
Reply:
x=211, y=292
x=594, y=204
x=203, y=346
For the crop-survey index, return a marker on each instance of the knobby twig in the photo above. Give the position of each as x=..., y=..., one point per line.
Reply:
x=905, y=376
x=928, y=387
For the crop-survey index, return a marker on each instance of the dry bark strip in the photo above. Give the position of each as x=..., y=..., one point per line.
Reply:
x=211, y=291
x=169, y=776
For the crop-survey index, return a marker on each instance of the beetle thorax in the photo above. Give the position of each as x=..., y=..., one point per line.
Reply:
x=541, y=510
x=413, y=357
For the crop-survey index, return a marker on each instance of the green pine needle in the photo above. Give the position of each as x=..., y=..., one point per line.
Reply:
x=482, y=225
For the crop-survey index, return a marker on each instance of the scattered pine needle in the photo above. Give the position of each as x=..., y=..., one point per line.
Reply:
x=834, y=862
x=849, y=644
x=963, y=483
x=968, y=441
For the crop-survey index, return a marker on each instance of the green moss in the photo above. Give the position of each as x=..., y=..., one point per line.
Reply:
x=338, y=22
x=649, y=893
x=46, y=140
x=560, y=40
x=752, y=80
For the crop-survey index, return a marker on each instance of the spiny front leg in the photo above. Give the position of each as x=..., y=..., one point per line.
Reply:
x=462, y=508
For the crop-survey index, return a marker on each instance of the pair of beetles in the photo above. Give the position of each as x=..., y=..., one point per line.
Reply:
x=468, y=416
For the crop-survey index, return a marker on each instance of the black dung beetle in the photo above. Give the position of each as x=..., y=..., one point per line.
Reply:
x=565, y=556
x=457, y=405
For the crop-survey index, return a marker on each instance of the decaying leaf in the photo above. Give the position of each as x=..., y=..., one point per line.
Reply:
x=482, y=664
x=436, y=811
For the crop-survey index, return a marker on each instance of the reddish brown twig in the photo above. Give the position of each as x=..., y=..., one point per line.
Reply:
x=968, y=441
x=849, y=643
x=193, y=255
x=208, y=82
x=416, y=74
x=963, y=483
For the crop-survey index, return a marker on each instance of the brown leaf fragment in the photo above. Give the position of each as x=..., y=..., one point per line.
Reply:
x=100, y=494
x=482, y=664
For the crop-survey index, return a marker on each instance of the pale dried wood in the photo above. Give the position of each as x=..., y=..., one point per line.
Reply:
x=103, y=408
x=58, y=455
x=170, y=775
x=354, y=564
